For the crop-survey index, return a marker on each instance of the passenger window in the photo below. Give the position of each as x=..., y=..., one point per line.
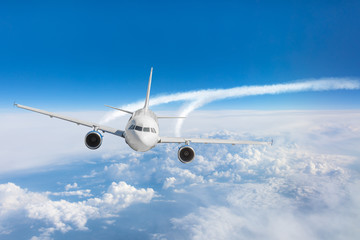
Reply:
x=146, y=129
x=138, y=128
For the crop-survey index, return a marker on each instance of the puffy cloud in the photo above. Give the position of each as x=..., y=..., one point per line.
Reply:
x=304, y=185
x=169, y=182
x=71, y=186
x=287, y=191
x=63, y=215
x=119, y=196
x=225, y=223
x=262, y=210
x=117, y=170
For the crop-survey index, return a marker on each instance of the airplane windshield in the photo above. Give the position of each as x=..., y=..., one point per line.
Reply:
x=142, y=129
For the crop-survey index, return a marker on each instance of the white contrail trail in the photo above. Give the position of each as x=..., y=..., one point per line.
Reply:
x=197, y=99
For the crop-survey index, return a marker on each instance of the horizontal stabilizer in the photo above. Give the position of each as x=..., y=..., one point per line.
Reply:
x=169, y=117
x=119, y=109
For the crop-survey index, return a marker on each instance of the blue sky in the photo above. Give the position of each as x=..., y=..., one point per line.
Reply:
x=70, y=56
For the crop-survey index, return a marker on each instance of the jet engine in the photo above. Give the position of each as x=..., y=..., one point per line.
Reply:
x=186, y=154
x=93, y=140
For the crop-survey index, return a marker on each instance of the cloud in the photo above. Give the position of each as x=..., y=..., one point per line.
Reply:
x=226, y=223
x=71, y=186
x=261, y=210
x=304, y=185
x=80, y=193
x=63, y=215
x=169, y=182
x=41, y=149
x=300, y=188
x=117, y=170
x=296, y=204
x=119, y=196
x=197, y=99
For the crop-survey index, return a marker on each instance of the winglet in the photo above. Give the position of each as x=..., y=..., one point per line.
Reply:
x=148, y=91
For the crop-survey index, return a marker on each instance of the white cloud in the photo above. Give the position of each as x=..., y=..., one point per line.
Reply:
x=80, y=193
x=117, y=170
x=92, y=174
x=299, y=188
x=71, y=186
x=261, y=210
x=63, y=215
x=35, y=142
x=169, y=182
x=119, y=196
x=287, y=191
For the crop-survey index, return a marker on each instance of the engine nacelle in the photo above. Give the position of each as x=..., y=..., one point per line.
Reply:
x=186, y=154
x=93, y=140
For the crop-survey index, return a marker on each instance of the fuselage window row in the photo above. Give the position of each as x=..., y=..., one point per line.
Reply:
x=142, y=129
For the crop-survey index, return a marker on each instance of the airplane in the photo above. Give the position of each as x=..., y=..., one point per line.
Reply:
x=142, y=131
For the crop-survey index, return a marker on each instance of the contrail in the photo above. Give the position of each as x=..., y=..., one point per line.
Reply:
x=197, y=99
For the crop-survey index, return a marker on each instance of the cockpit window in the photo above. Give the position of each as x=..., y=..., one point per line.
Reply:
x=141, y=129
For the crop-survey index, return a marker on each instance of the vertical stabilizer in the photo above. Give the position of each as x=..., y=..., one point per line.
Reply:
x=148, y=91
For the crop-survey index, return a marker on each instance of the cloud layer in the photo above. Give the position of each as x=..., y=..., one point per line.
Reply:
x=305, y=186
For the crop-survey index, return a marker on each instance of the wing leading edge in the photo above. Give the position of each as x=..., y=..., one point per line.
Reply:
x=209, y=140
x=95, y=126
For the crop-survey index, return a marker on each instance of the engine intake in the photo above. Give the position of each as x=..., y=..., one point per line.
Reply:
x=93, y=140
x=186, y=154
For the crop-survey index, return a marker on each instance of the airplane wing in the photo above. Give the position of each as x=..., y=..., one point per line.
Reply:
x=209, y=140
x=78, y=122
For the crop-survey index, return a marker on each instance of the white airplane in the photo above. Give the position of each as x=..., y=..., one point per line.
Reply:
x=141, y=132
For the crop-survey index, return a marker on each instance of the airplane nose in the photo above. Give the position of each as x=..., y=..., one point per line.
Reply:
x=140, y=141
x=149, y=141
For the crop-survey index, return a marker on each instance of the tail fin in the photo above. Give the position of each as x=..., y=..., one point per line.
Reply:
x=148, y=91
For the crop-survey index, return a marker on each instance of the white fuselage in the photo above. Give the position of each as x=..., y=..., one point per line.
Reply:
x=142, y=130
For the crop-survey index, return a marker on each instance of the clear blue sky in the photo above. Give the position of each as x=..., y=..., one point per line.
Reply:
x=70, y=56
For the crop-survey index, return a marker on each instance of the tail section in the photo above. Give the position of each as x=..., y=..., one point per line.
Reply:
x=148, y=91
